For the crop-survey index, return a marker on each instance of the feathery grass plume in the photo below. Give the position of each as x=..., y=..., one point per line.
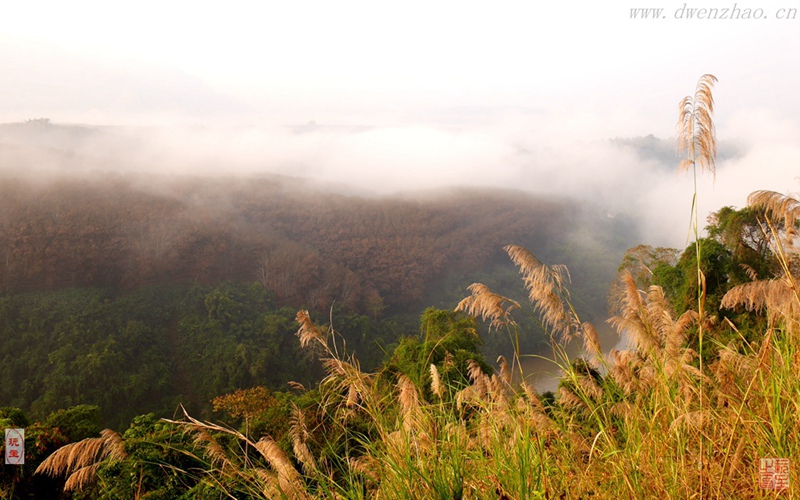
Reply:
x=752, y=275
x=345, y=389
x=657, y=336
x=288, y=477
x=624, y=409
x=211, y=447
x=449, y=360
x=591, y=344
x=80, y=461
x=784, y=247
x=367, y=466
x=488, y=305
x=697, y=138
x=498, y=391
x=736, y=461
x=775, y=295
x=777, y=205
x=625, y=368
x=505, y=371
x=409, y=403
x=530, y=408
x=309, y=333
x=696, y=129
x=81, y=477
x=590, y=387
x=436, y=382
x=288, y=483
x=671, y=333
x=531, y=396
x=546, y=290
x=345, y=377
x=297, y=386
x=676, y=335
x=475, y=372
x=270, y=484
x=632, y=318
x=533, y=411
x=695, y=420
x=476, y=392
x=299, y=434
x=569, y=399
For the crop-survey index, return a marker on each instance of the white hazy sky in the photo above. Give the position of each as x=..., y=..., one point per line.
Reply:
x=410, y=94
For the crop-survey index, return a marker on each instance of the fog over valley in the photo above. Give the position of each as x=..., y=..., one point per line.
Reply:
x=636, y=176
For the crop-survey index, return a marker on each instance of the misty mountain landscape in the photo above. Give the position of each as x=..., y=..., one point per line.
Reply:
x=355, y=250
x=122, y=236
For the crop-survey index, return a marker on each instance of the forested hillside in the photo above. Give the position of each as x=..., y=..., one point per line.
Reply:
x=305, y=246
x=138, y=293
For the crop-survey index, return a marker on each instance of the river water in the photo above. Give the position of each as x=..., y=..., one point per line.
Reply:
x=543, y=374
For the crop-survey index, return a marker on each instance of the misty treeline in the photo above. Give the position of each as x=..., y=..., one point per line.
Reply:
x=305, y=246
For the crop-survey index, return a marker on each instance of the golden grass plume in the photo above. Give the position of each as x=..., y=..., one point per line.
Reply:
x=695, y=128
x=308, y=332
x=546, y=289
x=79, y=461
x=488, y=305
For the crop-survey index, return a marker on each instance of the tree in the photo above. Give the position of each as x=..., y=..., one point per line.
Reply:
x=448, y=340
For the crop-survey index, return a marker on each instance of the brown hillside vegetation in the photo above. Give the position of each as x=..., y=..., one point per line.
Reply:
x=306, y=246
